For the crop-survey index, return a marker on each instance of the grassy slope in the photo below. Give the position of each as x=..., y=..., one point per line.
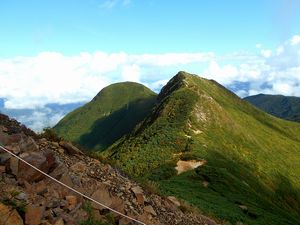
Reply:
x=252, y=158
x=111, y=114
x=284, y=107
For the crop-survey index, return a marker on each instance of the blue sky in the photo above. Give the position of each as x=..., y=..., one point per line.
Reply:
x=66, y=51
x=144, y=26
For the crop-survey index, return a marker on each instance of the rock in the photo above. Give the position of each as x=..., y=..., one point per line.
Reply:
x=66, y=179
x=28, y=145
x=149, y=209
x=79, y=167
x=72, y=201
x=126, y=221
x=33, y=215
x=71, y=149
x=2, y=169
x=4, y=139
x=55, y=144
x=137, y=189
x=138, y=194
x=3, y=129
x=59, y=171
x=60, y=221
x=101, y=195
x=4, y=157
x=9, y=216
x=21, y=196
x=37, y=159
x=41, y=188
x=118, y=205
x=174, y=200
x=14, y=165
x=61, y=150
x=14, y=148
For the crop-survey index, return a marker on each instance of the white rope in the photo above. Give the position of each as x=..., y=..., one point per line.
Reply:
x=70, y=188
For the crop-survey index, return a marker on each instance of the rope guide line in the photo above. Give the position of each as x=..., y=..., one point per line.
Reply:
x=70, y=188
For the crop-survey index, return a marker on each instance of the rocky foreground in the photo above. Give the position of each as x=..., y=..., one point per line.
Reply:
x=28, y=197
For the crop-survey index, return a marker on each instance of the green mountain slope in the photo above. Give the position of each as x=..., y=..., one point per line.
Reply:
x=284, y=107
x=112, y=113
x=251, y=174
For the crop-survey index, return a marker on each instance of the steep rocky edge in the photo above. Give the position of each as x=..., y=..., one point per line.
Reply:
x=27, y=197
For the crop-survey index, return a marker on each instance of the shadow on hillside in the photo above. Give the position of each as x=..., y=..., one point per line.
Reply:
x=109, y=129
x=241, y=184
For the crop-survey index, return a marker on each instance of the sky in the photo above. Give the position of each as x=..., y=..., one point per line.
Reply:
x=66, y=51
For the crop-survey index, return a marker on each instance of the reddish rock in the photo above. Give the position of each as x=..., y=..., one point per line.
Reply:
x=2, y=169
x=72, y=201
x=9, y=216
x=33, y=215
x=101, y=195
x=138, y=192
x=37, y=159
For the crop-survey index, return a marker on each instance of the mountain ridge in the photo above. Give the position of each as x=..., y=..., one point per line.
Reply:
x=244, y=175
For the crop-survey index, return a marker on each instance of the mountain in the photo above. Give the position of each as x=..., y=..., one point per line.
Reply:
x=28, y=197
x=247, y=162
x=199, y=142
x=285, y=107
x=112, y=113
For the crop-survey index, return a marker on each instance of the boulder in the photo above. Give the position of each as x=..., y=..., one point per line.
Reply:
x=138, y=192
x=101, y=195
x=33, y=215
x=14, y=165
x=9, y=216
x=70, y=148
x=27, y=144
x=37, y=159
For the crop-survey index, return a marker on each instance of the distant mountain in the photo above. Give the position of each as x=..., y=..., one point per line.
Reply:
x=237, y=163
x=112, y=113
x=39, y=118
x=285, y=107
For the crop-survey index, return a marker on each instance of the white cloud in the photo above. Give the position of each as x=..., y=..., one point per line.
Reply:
x=131, y=73
x=109, y=4
x=32, y=82
x=51, y=77
x=224, y=75
x=266, y=53
x=295, y=40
